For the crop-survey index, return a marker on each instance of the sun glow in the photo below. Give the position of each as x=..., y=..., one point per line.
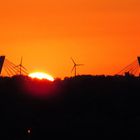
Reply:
x=41, y=76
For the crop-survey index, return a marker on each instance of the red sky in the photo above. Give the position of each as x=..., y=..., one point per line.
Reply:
x=102, y=34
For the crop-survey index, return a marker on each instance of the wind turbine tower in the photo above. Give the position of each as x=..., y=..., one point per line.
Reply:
x=75, y=67
x=21, y=68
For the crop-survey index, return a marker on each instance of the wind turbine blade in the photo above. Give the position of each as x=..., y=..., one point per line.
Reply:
x=73, y=68
x=79, y=64
x=73, y=61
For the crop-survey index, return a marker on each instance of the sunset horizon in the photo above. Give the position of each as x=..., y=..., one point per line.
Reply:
x=103, y=35
x=69, y=68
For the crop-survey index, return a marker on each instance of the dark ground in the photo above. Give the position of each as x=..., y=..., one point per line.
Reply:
x=95, y=106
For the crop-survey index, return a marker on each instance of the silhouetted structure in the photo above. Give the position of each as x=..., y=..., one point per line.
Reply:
x=2, y=58
x=132, y=69
x=139, y=60
x=75, y=67
x=10, y=68
x=20, y=68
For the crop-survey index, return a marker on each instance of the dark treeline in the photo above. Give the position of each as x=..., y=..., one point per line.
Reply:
x=95, y=106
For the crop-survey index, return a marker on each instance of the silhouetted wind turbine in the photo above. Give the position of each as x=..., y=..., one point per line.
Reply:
x=21, y=67
x=75, y=67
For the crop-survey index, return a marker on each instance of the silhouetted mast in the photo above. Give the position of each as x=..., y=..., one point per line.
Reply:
x=132, y=69
x=139, y=64
x=20, y=66
x=139, y=60
x=10, y=68
x=2, y=58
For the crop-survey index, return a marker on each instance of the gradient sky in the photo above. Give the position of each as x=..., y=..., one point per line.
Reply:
x=102, y=34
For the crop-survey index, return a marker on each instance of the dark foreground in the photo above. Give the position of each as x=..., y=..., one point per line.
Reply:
x=94, y=106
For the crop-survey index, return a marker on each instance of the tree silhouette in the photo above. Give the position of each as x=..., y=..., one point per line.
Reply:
x=96, y=106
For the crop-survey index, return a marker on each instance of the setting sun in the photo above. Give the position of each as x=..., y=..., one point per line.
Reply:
x=41, y=75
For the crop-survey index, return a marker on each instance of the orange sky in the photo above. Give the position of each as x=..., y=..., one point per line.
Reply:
x=102, y=34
